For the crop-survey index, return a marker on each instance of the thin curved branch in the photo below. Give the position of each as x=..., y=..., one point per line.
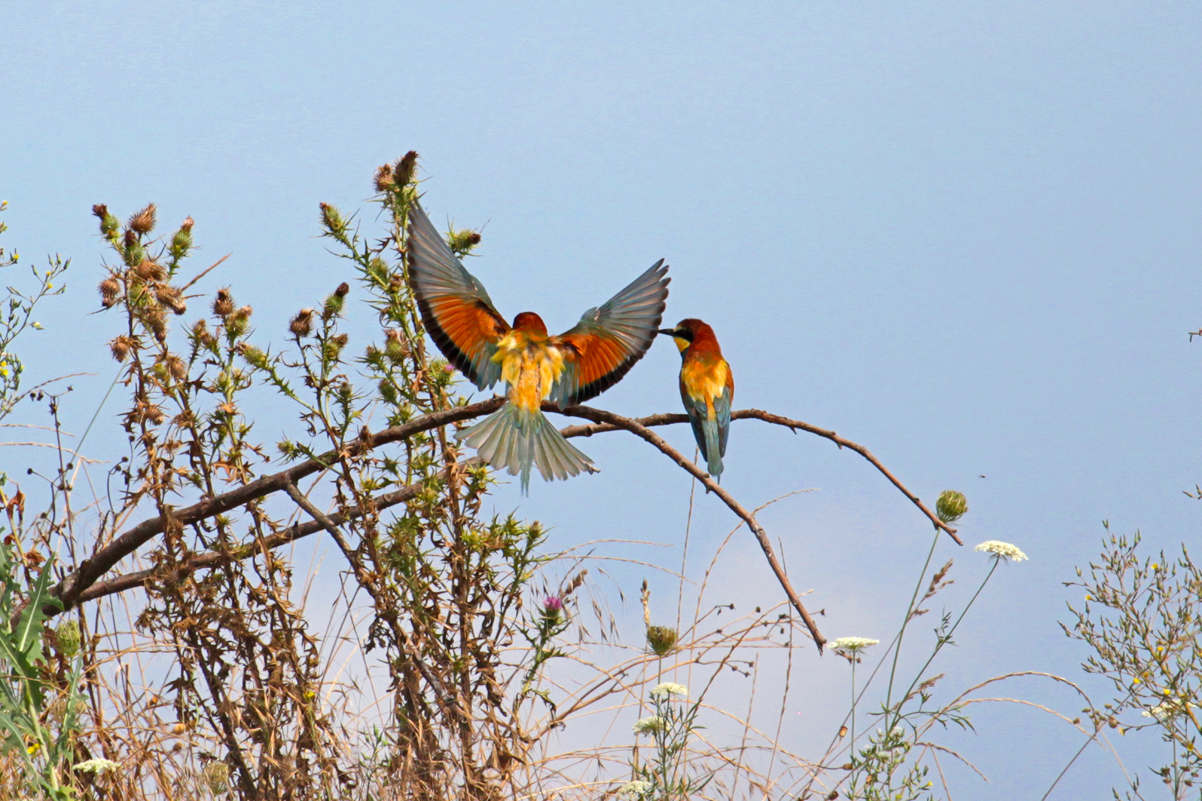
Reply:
x=637, y=428
x=793, y=425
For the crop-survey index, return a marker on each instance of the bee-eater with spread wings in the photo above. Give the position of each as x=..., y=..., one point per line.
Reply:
x=707, y=388
x=568, y=369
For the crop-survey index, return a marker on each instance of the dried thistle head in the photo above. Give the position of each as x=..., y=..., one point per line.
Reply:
x=384, y=180
x=155, y=320
x=143, y=221
x=172, y=298
x=150, y=270
x=223, y=304
x=302, y=323
x=110, y=292
x=120, y=348
x=403, y=172
x=176, y=367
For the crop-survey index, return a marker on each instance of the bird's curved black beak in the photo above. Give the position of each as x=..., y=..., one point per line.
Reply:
x=667, y=332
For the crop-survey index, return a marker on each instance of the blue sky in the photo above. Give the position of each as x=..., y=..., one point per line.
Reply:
x=963, y=235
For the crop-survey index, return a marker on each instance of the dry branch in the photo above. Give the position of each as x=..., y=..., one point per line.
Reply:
x=83, y=584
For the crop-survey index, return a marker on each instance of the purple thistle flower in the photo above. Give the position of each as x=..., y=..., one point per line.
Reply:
x=553, y=604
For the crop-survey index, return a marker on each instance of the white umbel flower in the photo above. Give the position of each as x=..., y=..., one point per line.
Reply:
x=668, y=690
x=850, y=645
x=1002, y=550
x=649, y=725
x=634, y=789
x=97, y=766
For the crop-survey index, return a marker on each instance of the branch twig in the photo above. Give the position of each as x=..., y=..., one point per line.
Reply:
x=640, y=430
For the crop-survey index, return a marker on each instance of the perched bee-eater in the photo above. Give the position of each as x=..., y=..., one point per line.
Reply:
x=707, y=388
x=568, y=369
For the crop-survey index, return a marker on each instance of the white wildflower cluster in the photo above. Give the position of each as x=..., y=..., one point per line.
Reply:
x=97, y=766
x=649, y=725
x=635, y=789
x=669, y=690
x=1166, y=711
x=850, y=645
x=1002, y=550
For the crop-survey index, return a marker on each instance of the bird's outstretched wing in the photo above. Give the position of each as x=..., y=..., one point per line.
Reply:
x=607, y=341
x=454, y=305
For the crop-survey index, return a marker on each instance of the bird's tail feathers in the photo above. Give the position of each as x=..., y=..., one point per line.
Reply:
x=713, y=449
x=517, y=440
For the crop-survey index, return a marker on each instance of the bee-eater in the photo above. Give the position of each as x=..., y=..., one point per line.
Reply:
x=707, y=388
x=568, y=369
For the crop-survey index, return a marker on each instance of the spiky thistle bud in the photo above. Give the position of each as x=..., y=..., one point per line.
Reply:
x=223, y=304
x=302, y=323
x=254, y=356
x=463, y=241
x=333, y=348
x=333, y=220
x=108, y=221
x=181, y=241
x=67, y=635
x=661, y=639
x=143, y=221
x=396, y=348
x=951, y=506
x=335, y=303
x=110, y=292
x=133, y=253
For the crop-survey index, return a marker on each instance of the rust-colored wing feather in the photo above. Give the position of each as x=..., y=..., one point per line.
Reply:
x=607, y=341
x=454, y=305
